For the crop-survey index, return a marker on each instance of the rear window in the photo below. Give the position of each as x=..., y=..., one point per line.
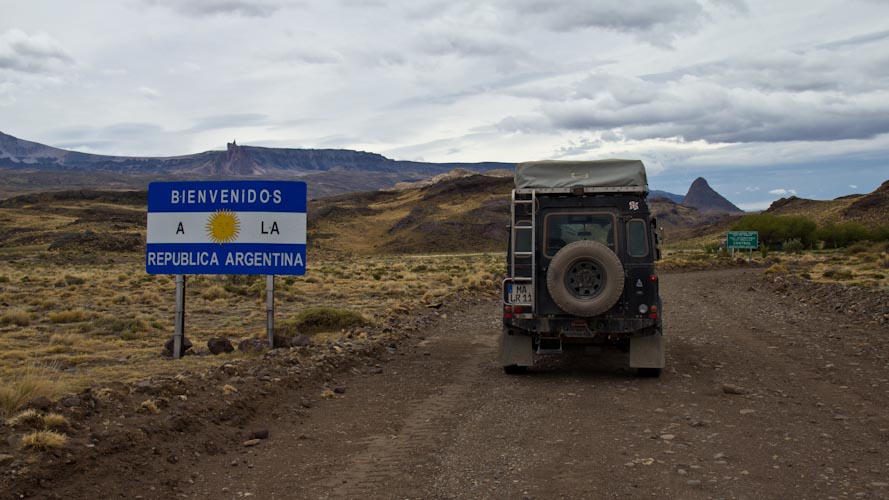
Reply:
x=637, y=242
x=562, y=229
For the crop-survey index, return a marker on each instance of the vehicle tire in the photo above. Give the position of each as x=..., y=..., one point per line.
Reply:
x=515, y=369
x=585, y=278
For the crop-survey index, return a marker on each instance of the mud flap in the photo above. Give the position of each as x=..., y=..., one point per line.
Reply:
x=647, y=351
x=516, y=350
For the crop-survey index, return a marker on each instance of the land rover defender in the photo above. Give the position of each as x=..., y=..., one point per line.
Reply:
x=581, y=265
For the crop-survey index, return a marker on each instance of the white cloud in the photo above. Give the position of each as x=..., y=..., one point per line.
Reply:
x=782, y=191
x=853, y=186
x=149, y=93
x=751, y=188
x=200, y=8
x=37, y=53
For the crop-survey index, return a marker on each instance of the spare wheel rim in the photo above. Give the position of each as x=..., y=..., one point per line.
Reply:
x=585, y=279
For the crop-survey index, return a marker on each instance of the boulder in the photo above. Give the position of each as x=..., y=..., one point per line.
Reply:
x=219, y=345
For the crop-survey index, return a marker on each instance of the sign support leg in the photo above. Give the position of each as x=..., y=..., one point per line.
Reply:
x=179, y=331
x=270, y=307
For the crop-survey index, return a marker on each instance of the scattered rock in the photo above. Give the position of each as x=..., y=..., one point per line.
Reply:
x=305, y=402
x=260, y=434
x=339, y=390
x=219, y=345
x=734, y=389
x=168, y=347
x=252, y=442
x=252, y=345
x=280, y=341
x=693, y=482
x=70, y=402
x=41, y=403
x=668, y=437
x=747, y=411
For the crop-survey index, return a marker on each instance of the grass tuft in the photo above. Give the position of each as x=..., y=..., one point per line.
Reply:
x=44, y=441
x=69, y=316
x=31, y=383
x=18, y=317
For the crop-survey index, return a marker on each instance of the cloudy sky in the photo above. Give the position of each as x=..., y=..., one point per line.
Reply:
x=763, y=98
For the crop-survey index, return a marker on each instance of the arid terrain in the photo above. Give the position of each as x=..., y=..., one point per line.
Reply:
x=768, y=394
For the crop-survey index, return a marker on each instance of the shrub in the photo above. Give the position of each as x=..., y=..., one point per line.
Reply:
x=55, y=421
x=775, y=229
x=69, y=316
x=124, y=327
x=18, y=317
x=838, y=235
x=793, y=246
x=321, y=319
x=44, y=440
x=74, y=280
x=776, y=269
x=215, y=292
x=26, y=386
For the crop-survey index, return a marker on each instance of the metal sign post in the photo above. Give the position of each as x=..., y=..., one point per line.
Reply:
x=270, y=307
x=179, y=331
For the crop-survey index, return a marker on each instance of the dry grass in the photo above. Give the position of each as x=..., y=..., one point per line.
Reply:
x=27, y=385
x=55, y=422
x=69, y=316
x=18, y=317
x=44, y=441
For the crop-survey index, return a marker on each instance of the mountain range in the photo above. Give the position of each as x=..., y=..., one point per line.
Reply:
x=326, y=171
x=36, y=167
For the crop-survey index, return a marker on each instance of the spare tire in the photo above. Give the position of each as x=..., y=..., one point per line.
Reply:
x=585, y=278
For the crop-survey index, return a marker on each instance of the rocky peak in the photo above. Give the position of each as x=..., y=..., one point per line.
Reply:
x=702, y=197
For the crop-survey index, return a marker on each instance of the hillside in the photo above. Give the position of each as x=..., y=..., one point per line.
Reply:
x=868, y=209
x=461, y=212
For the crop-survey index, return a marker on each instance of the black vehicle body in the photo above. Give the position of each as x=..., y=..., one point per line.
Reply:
x=587, y=255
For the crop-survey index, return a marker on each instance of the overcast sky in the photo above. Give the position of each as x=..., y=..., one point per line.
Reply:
x=763, y=98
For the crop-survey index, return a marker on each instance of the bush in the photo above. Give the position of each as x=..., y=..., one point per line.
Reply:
x=794, y=246
x=320, y=319
x=215, y=292
x=775, y=229
x=18, y=317
x=70, y=316
x=843, y=234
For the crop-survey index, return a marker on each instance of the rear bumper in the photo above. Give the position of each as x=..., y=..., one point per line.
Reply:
x=590, y=328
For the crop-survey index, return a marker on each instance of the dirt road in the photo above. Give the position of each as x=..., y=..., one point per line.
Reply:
x=764, y=397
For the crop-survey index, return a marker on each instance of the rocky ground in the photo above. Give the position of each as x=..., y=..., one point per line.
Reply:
x=774, y=389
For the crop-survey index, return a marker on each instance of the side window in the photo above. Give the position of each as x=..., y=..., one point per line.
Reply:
x=637, y=244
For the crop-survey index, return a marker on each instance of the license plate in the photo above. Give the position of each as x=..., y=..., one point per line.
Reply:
x=520, y=294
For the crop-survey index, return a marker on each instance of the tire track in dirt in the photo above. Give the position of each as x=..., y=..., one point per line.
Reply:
x=387, y=457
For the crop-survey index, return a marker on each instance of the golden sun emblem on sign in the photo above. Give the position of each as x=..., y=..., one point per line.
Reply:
x=223, y=226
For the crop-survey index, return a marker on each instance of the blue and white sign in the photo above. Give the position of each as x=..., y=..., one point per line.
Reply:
x=226, y=227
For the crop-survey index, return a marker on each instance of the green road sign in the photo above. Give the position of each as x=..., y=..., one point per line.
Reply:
x=744, y=240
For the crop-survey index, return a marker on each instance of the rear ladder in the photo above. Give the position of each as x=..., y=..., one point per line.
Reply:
x=523, y=262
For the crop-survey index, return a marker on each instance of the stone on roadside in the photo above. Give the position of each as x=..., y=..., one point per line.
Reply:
x=260, y=434
x=734, y=389
x=252, y=345
x=252, y=442
x=219, y=345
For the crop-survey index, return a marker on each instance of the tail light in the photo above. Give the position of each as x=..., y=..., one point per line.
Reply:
x=507, y=312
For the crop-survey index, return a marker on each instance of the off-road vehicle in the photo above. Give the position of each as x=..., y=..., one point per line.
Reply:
x=580, y=265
